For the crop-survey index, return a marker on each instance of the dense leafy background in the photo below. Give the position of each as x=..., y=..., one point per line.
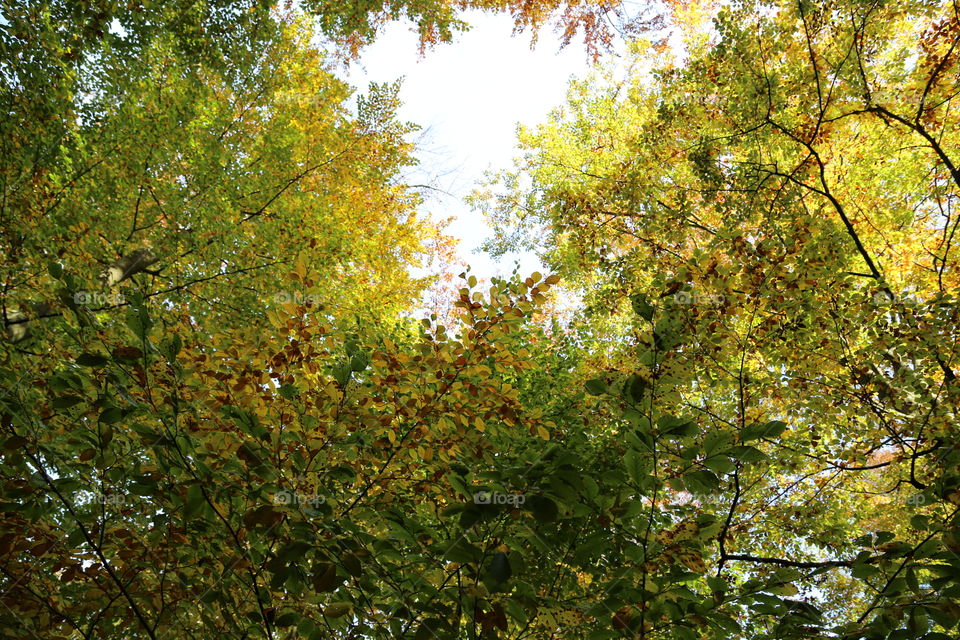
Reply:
x=221, y=417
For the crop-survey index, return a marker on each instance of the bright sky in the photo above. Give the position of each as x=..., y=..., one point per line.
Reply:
x=469, y=96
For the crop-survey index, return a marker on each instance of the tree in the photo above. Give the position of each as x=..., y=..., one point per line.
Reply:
x=155, y=487
x=205, y=361
x=782, y=203
x=159, y=205
x=219, y=418
x=201, y=192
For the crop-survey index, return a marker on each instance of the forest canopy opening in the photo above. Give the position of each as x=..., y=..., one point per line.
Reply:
x=727, y=410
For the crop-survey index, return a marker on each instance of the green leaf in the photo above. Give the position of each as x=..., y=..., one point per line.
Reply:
x=287, y=619
x=863, y=571
x=170, y=347
x=246, y=421
x=325, y=577
x=636, y=465
x=65, y=402
x=470, y=516
x=596, y=387
x=543, y=508
x=641, y=307
x=746, y=453
x=635, y=418
x=462, y=551
x=194, y=503
x=725, y=623
x=293, y=551
x=634, y=388
x=111, y=415
x=684, y=633
x=430, y=629
x=719, y=464
x=717, y=584
x=139, y=321
x=770, y=429
x=701, y=481
x=91, y=360
x=713, y=441
x=341, y=373
x=679, y=428
x=359, y=362
x=500, y=569
x=288, y=391
x=351, y=563
x=143, y=486
x=882, y=537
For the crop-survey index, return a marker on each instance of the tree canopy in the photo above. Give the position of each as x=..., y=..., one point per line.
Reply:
x=224, y=412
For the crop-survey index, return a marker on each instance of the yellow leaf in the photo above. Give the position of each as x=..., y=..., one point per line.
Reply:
x=785, y=590
x=333, y=392
x=274, y=318
x=543, y=433
x=337, y=609
x=692, y=561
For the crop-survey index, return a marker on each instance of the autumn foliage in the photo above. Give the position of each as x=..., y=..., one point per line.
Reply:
x=225, y=412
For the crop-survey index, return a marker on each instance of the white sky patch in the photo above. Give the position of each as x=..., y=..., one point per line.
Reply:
x=469, y=96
